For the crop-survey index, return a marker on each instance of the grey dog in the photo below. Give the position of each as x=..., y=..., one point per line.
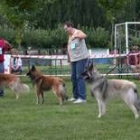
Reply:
x=103, y=88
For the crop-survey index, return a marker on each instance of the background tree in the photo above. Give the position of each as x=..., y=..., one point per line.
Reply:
x=46, y=15
x=81, y=12
x=18, y=12
x=114, y=9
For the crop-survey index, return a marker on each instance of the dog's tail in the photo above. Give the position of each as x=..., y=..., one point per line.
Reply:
x=63, y=92
x=23, y=88
x=19, y=87
x=137, y=103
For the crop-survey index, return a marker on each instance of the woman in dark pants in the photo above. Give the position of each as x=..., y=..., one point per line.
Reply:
x=78, y=56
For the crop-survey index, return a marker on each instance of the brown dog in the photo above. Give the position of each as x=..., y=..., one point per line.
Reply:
x=44, y=83
x=13, y=82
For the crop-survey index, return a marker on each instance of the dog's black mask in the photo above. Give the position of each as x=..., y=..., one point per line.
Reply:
x=29, y=73
x=91, y=74
x=87, y=74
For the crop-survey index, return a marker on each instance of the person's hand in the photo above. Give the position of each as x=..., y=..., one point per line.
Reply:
x=73, y=37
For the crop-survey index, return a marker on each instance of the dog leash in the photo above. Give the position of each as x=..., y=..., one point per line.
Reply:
x=115, y=66
x=112, y=69
x=90, y=61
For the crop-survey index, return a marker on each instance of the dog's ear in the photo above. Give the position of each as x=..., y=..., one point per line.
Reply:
x=33, y=68
x=91, y=67
x=84, y=73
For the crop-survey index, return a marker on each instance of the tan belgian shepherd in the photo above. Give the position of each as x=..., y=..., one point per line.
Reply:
x=45, y=83
x=13, y=82
x=103, y=89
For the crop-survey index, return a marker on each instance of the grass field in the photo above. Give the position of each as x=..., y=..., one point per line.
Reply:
x=24, y=120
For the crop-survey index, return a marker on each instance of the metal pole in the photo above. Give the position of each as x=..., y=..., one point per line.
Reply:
x=115, y=39
x=126, y=37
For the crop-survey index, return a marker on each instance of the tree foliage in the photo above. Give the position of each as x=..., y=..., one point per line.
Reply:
x=113, y=8
x=24, y=15
x=81, y=12
x=18, y=13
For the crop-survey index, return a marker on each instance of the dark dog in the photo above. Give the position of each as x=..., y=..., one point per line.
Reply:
x=44, y=83
x=103, y=88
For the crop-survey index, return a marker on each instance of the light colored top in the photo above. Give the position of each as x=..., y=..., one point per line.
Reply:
x=17, y=63
x=77, y=48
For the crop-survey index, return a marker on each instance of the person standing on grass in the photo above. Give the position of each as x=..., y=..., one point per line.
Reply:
x=77, y=55
x=4, y=46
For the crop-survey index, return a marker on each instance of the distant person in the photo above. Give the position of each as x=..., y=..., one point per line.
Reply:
x=16, y=62
x=4, y=46
x=133, y=59
x=77, y=56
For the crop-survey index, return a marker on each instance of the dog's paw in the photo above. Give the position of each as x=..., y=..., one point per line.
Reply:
x=99, y=116
x=136, y=116
x=61, y=103
x=17, y=97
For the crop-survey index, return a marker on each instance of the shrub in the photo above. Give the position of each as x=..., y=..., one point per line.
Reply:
x=56, y=38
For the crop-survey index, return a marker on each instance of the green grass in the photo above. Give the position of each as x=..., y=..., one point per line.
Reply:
x=24, y=120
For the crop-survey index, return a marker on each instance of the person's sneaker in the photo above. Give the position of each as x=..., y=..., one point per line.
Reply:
x=79, y=101
x=72, y=99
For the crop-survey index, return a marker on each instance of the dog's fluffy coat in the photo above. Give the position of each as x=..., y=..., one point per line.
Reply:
x=103, y=88
x=44, y=83
x=13, y=82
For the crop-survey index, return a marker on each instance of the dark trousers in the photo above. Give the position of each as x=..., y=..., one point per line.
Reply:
x=79, y=87
x=1, y=71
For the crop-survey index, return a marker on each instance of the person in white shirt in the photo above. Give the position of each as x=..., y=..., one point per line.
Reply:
x=16, y=63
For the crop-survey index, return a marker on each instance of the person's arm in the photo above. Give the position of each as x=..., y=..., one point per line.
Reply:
x=68, y=55
x=135, y=59
x=79, y=34
x=11, y=63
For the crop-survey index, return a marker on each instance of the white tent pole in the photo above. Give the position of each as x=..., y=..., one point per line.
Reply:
x=115, y=38
x=126, y=37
